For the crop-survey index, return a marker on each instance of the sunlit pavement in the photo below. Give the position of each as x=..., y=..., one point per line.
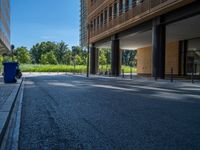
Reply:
x=72, y=112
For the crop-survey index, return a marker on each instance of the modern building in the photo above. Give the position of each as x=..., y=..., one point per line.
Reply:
x=4, y=26
x=83, y=24
x=165, y=33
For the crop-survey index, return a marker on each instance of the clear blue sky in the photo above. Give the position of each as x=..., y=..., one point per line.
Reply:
x=33, y=21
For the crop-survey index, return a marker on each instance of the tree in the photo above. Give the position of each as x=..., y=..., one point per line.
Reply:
x=63, y=55
x=78, y=59
x=102, y=58
x=35, y=54
x=49, y=58
x=68, y=57
x=77, y=50
x=107, y=53
x=128, y=57
x=84, y=57
x=42, y=48
x=22, y=55
x=61, y=51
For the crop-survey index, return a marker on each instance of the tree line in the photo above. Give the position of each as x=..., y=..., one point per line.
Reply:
x=48, y=53
x=60, y=53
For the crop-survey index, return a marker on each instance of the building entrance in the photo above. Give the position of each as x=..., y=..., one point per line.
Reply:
x=193, y=57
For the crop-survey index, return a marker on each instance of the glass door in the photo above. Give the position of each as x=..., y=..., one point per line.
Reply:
x=193, y=57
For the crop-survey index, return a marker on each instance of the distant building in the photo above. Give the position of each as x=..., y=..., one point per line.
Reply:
x=83, y=23
x=4, y=26
x=165, y=33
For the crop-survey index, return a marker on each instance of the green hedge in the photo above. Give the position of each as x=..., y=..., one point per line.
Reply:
x=65, y=68
x=52, y=68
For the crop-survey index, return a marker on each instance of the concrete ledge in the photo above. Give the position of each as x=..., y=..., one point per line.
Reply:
x=6, y=113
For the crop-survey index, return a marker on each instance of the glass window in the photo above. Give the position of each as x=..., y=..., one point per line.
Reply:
x=193, y=57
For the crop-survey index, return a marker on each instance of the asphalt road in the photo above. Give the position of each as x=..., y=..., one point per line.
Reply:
x=66, y=112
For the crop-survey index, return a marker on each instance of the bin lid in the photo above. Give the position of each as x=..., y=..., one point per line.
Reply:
x=13, y=63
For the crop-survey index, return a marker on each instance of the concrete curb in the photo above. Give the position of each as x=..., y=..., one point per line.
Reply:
x=141, y=79
x=10, y=116
x=13, y=141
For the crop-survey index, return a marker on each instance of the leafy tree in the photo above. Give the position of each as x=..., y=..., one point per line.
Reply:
x=22, y=55
x=77, y=50
x=68, y=57
x=35, y=54
x=44, y=60
x=42, y=48
x=102, y=58
x=48, y=46
x=79, y=61
x=84, y=57
x=128, y=57
x=49, y=58
x=107, y=54
x=61, y=51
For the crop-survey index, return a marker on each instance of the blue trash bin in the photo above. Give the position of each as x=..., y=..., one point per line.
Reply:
x=10, y=72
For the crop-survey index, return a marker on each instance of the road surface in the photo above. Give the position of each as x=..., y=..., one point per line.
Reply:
x=65, y=112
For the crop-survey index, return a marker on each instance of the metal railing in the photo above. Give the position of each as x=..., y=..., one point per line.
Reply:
x=135, y=12
x=94, y=5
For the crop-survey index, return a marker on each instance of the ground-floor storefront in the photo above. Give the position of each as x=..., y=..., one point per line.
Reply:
x=182, y=58
x=165, y=45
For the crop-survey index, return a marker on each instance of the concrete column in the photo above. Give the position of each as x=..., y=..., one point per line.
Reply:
x=116, y=57
x=158, y=48
x=94, y=61
x=183, y=45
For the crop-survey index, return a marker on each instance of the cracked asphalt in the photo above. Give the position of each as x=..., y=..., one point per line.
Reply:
x=70, y=112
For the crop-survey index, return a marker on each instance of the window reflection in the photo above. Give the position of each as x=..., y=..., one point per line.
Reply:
x=193, y=57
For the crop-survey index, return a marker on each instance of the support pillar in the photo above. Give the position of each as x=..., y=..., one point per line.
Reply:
x=158, y=48
x=116, y=57
x=94, y=60
x=183, y=46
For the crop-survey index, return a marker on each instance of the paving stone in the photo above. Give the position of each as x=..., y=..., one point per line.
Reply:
x=3, y=117
x=7, y=97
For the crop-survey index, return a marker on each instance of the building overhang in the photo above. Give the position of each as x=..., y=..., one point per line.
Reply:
x=181, y=30
x=160, y=10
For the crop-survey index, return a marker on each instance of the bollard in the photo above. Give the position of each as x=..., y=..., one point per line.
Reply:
x=195, y=69
x=74, y=72
x=131, y=73
x=123, y=73
x=172, y=75
x=192, y=77
x=155, y=77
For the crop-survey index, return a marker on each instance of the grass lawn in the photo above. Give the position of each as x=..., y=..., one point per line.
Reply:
x=65, y=68
x=52, y=68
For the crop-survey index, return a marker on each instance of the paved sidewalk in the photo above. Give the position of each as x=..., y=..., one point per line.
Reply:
x=146, y=80
x=8, y=93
